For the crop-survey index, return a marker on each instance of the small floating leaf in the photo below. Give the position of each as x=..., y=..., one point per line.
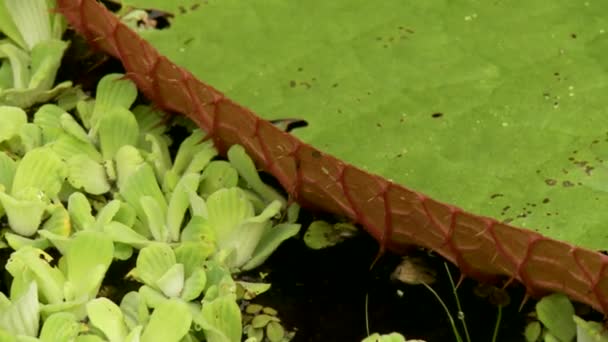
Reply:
x=555, y=312
x=22, y=317
x=113, y=90
x=153, y=262
x=59, y=327
x=117, y=128
x=107, y=317
x=12, y=120
x=87, y=174
x=24, y=215
x=169, y=322
x=41, y=169
x=246, y=168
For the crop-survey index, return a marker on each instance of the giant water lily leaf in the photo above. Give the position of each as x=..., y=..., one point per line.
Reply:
x=496, y=108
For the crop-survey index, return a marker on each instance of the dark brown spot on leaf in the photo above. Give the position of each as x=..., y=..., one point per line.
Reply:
x=493, y=196
x=567, y=184
x=550, y=182
x=292, y=84
x=437, y=115
x=573, y=35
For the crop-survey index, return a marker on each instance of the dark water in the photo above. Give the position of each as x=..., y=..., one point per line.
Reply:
x=322, y=295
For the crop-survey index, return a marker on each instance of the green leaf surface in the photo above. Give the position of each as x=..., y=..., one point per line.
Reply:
x=22, y=317
x=60, y=327
x=556, y=313
x=169, y=322
x=498, y=108
x=107, y=316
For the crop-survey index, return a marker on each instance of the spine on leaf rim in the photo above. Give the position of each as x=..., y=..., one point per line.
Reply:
x=397, y=217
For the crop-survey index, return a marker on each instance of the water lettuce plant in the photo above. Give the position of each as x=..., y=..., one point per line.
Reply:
x=30, y=52
x=100, y=185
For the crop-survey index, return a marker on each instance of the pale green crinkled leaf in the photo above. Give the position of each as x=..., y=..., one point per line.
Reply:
x=153, y=262
x=134, y=309
x=139, y=184
x=16, y=241
x=217, y=175
x=22, y=317
x=87, y=174
x=117, y=128
x=73, y=128
x=197, y=204
x=154, y=218
x=8, y=27
x=159, y=155
x=48, y=118
x=60, y=327
x=555, y=312
x=30, y=136
x=201, y=159
x=13, y=118
x=227, y=209
x=196, y=230
x=59, y=221
x=7, y=170
x=46, y=58
x=189, y=148
x=75, y=307
x=194, y=285
x=590, y=331
x=41, y=169
x=49, y=279
x=80, y=211
x=122, y=251
x=87, y=259
x=193, y=254
x=221, y=320
x=247, y=170
x=135, y=334
x=24, y=215
x=32, y=20
x=241, y=233
x=66, y=146
x=26, y=98
x=113, y=90
x=128, y=159
x=118, y=232
x=150, y=121
x=68, y=99
x=152, y=297
x=84, y=110
x=269, y=242
x=107, y=213
x=125, y=214
x=172, y=282
x=20, y=62
x=179, y=203
x=169, y=322
x=107, y=317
